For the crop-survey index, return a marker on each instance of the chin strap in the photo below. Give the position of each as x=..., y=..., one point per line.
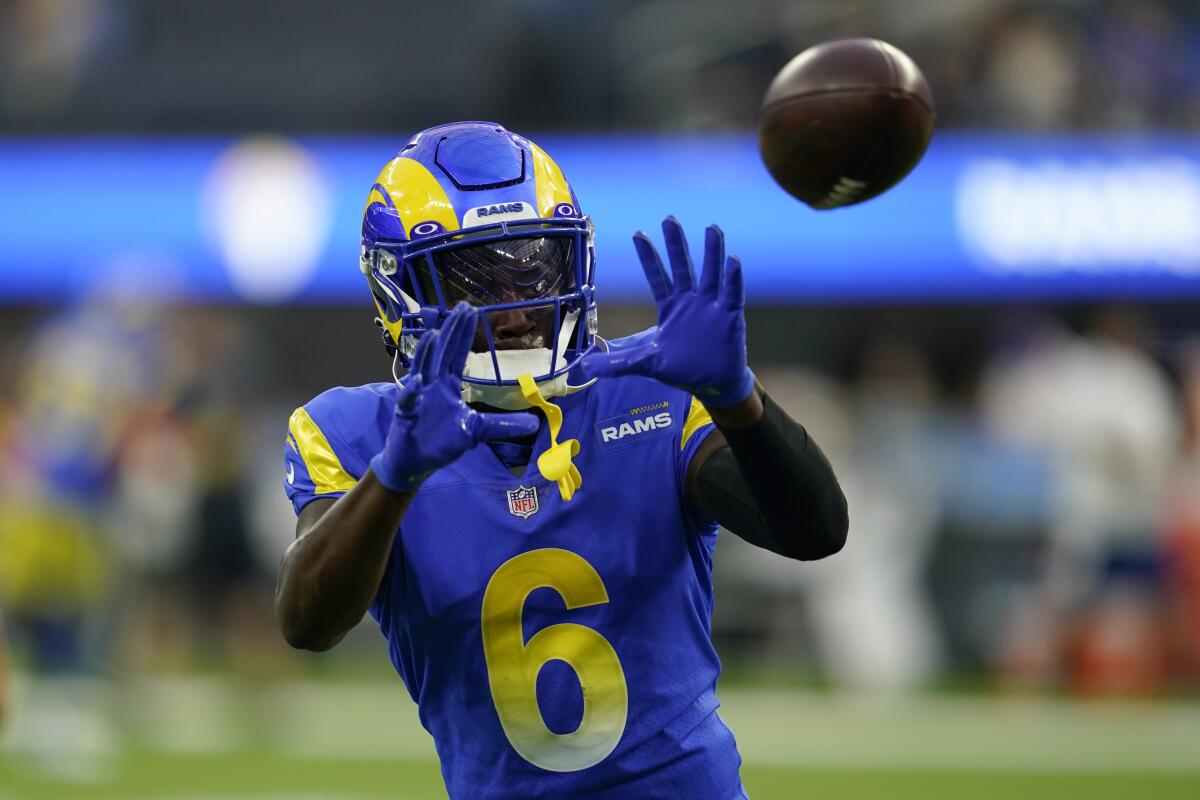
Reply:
x=554, y=464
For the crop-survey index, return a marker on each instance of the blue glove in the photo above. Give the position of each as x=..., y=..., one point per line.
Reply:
x=432, y=425
x=700, y=344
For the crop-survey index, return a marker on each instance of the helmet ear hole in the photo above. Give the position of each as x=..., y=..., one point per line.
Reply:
x=389, y=344
x=388, y=263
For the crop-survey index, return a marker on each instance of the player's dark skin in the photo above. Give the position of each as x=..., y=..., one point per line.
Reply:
x=330, y=574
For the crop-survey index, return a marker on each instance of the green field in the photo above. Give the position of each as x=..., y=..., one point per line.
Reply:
x=274, y=777
x=213, y=739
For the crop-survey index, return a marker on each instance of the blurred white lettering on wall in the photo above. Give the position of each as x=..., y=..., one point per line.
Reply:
x=1090, y=217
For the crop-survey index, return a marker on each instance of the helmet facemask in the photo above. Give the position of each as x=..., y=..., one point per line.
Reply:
x=530, y=280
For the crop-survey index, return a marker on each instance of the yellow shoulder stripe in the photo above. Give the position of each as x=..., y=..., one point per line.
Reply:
x=323, y=466
x=697, y=418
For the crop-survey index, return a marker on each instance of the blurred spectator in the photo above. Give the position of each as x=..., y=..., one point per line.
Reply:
x=80, y=381
x=1183, y=529
x=995, y=515
x=196, y=589
x=4, y=690
x=229, y=592
x=875, y=626
x=46, y=49
x=1104, y=414
x=83, y=378
x=1032, y=69
x=1149, y=75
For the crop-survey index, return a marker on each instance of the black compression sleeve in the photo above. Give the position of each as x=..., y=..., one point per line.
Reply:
x=774, y=488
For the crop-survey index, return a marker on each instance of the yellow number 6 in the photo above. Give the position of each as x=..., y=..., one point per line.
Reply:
x=513, y=664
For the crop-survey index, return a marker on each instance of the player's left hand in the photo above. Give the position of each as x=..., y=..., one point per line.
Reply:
x=700, y=342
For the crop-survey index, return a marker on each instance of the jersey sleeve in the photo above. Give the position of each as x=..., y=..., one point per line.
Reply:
x=312, y=464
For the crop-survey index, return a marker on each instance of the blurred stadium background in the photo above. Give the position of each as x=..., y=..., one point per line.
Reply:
x=1001, y=356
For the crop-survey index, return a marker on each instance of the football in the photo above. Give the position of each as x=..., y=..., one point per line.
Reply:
x=844, y=121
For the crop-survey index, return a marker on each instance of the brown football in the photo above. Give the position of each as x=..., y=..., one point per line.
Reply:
x=844, y=121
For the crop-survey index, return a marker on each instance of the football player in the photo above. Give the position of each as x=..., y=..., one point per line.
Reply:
x=542, y=570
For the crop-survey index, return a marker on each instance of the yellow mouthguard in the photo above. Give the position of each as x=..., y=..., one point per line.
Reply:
x=554, y=464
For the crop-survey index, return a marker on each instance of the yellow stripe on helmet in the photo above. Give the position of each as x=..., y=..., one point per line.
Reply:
x=415, y=193
x=375, y=196
x=552, y=187
x=324, y=468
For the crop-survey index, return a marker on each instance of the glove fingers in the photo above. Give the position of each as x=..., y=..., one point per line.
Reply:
x=656, y=276
x=677, y=254
x=446, y=331
x=458, y=333
x=714, y=257
x=425, y=349
x=733, y=292
x=409, y=391
x=632, y=361
x=485, y=427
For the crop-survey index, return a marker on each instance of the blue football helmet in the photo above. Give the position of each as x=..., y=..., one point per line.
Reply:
x=470, y=211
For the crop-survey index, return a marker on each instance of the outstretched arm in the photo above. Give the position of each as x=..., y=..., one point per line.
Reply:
x=760, y=475
x=764, y=478
x=330, y=574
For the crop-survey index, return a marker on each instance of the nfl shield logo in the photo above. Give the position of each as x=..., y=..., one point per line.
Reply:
x=523, y=502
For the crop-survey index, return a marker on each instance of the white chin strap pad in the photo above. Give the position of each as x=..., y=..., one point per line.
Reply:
x=535, y=361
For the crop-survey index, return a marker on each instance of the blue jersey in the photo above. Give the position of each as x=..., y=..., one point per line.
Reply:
x=555, y=649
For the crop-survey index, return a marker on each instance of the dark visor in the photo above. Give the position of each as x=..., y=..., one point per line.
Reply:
x=507, y=271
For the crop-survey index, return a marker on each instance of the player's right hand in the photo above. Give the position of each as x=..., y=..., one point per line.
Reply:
x=432, y=426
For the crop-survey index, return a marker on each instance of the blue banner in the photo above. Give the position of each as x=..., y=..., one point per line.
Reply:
x=269, y=220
